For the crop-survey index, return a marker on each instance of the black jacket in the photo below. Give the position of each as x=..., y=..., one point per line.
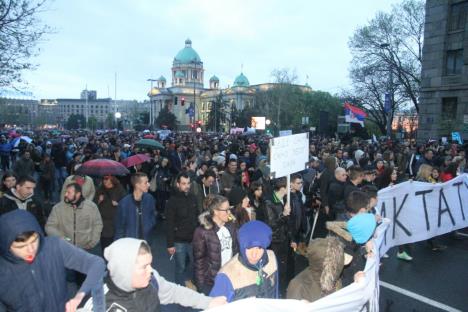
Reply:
x=182, y=218
x=297, y=220
x=10, y=202
x=276, y=220
x=336, y=198
x=324, y=182
x=141, y=300
x=348, y=188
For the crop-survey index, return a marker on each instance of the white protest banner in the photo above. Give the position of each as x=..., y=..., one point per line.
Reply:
x=419, y=211
x=288, y=154
x=362, y=296
x=285, y=132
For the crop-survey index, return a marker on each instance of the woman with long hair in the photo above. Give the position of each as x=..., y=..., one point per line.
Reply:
x=257, y=201
x=214, y=241
x=424, y=175
x=8, y=182
x=239, y=200
x=450, y=172
x=388, y=177
x=107, y=197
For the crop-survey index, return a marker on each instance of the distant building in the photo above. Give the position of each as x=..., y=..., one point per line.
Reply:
x=189, y=100
x=102, y=109
x=18, y=108
x=444, y=85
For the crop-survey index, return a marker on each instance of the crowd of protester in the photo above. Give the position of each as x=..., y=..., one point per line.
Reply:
x=228, y=226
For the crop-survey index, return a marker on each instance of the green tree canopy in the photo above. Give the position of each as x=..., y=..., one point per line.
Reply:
x=167, y=118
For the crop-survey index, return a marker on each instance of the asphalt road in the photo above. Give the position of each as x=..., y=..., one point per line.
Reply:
x=439, y=276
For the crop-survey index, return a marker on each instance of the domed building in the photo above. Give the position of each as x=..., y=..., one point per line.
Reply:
x=189, y=100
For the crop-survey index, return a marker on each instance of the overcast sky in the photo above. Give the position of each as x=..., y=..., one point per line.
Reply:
x=138, y=39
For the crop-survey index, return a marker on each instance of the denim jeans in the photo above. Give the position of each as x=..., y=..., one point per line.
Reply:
x=183, y=268
x=60, y=176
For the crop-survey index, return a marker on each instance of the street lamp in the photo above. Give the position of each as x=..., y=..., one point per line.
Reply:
x=151, y=112
x=117, y=116
x=388, y=107
x=268, y=122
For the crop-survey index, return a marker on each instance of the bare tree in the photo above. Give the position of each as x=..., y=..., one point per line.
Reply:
x=390, y=46
x=20, y=31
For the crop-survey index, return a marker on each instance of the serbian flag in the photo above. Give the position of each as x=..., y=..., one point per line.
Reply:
x=354, y=114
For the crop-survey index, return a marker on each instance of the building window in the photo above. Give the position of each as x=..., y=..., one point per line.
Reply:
x=454, y=62
x=449, y=108
x=194, y=74
x=457, y=16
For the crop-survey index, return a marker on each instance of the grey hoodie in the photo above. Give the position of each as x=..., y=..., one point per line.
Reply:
x=121, y=256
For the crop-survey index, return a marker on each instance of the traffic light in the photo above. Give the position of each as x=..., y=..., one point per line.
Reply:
x=182, y=101
x=175, y=100
x=199, y=123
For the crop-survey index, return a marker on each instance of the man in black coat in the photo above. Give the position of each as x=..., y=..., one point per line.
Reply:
x=356, y=175
x=182, y=219
x=336, y=198
x=22, y=197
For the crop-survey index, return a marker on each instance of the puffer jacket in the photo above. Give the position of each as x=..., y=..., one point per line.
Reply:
x=322, y=276
x=207, y=250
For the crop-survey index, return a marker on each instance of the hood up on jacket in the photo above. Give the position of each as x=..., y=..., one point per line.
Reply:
x=12, y=224
x=121, y=256
x=326, y=260
x=339, y=228
x=206, y=220
x=254, y=234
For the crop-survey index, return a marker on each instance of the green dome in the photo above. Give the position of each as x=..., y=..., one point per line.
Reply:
x=162, y=78
x=187, y=55
x=179, y=74
x=214, y=78
x=241, y=81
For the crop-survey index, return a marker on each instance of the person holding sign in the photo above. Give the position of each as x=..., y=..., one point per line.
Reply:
x=277, y=217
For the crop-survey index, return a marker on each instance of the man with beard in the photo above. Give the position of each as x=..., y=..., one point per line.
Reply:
x=182, y=220
x=22, y=197
x=201, y=189
x=77, y=220
x=25, y=166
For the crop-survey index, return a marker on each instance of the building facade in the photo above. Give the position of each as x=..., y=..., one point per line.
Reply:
x=189, y=100
x=444, y=84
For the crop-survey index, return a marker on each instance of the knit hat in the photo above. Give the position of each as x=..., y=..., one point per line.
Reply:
x=121, y=256
x=236, y=196
x=361, y=227
x=254, y=234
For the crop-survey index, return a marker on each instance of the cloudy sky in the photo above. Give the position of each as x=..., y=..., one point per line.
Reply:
x=138, y=39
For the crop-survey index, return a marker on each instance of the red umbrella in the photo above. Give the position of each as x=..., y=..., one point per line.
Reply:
x=102, y=167
x=135, y=160
x=149, y=136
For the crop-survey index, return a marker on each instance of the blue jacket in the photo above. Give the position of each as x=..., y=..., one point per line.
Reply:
x=5, y=149
x=41, y=286
x=126, y=220
x=239, y=279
